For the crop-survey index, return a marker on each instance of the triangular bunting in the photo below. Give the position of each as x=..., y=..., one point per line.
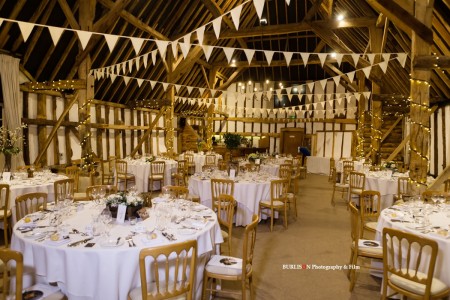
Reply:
x=235, y=14
x=367, y=70
x=174, y=46
x=130, y=65
x=351, y=76
x=339, y=58
x=25, y=29
x=367, y=94
x=200, y=34
x=305, y=57
x=401, y=57
x=269, y=56
x=165, y=85
x=371, y=57
x=249, y=53
x=383, y=65
x=162, y=48
x=154, y=57
x=323, y=83
x=187, y=39
x=84, y=37
x=126, y=79
x=228, y=53
x=189, y=88
x=322, y=57
x=137, y=44
x=216, y=25
x=386, y=56
x=185, y=49
x=207, y=50
x=177, y=88
x=288, y=57
x=113, y=77
x=124, y=68
x=310, y=86
x=139, y=81
x=355, y=58
x=259, y=6
x=111, y=41
x=136, y=60
x=55, y=33
x=337, y=80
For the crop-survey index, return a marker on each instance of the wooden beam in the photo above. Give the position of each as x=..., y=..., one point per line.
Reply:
x=428, y=62
x=69, y=15
x=402, y=18
x=312, y=11
x=398, y=149
x=386, y=134
x=440, y=179
x=7, y=25
x=54, y=130
x=148, y=131
x=113, y=13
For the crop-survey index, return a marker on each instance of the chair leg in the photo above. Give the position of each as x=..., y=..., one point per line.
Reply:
x=229, y=244
x=205, y=282
x=332, y=197
x=244, y=290
x=250, y=287
x=271, y=219
x=285, y=217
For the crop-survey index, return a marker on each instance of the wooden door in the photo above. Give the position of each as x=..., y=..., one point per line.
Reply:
x=292, y=140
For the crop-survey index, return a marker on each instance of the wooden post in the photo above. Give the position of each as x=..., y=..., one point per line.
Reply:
x=361, y=116
x=420, y=102
x=168, y=118
x=209, y=126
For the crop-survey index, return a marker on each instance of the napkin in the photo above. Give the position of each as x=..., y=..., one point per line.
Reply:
x=369, y=244
x=152, y=242
x=59, y=242
x=442, y=233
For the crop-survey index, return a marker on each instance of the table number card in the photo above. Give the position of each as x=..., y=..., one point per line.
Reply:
x=232, y=173
x=257, y=161
x=276, y=156
x=7, y=176
x=121, y=211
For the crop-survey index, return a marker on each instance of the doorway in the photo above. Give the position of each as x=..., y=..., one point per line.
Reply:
x=291, y=140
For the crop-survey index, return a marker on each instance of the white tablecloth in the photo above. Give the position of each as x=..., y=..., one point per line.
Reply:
x=199, y=160
x=141, y=170
x=40, y=183
x=386, y=186
x=103, y=273
x=357, y=166
x=318, y=165
x=442, y=271
x=247, y=194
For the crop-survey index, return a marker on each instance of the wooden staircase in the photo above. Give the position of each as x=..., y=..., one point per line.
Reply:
x=188, y=138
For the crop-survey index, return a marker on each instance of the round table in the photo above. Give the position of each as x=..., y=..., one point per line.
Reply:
x=248, y=194
x=200, y=159
x=141, y=170
x=107, y=272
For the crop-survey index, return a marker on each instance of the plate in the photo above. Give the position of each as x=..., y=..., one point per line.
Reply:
x=416, y=226
x=186, y=231
x=34, y=234
x=112, y=243
x=32, y=295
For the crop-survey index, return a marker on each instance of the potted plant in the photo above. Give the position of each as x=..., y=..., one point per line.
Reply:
x=232, y=141
x=8, y=144
x=132, y=201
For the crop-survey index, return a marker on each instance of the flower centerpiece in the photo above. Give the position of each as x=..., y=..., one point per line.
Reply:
x=8, y=143
x=252, y=157
x=150, y=158
x=389, y=165
x=131, y=200
x=201, y=145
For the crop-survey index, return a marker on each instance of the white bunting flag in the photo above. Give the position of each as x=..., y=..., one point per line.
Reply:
x=130, y=65
x=201, y=90
x=278, y=92
x=259, y=6
x=249, y=53
x=235, y=14
x=137, y=44
x=145, y=60
x=367, y=94
x=351, y=75
x=111, y=41
x=126, y=79
x=337, y=80
x=290, y=97
x=228, y=53
x=288, y=57
x=288, y=90
x=154, y=57
x=124, y=68
x=401, y=57
x=309, y=97
x=310, y=86
x=367, y=70
x=185, y=49
x=152, y=84
x=174, y=46
x=339, y=57
x=386, y=56
x=25, y=29
x=177, y=88
x=300, y=96
x=305, y=57
x=139, y=81
x=55, y=33
x=84, y=37
x=322, y=57
x=323, y=83
x=383, y=65
x=113, y=77
x=216, y=25
x=207, y=50
x=189, y=88
x=118, y=68
x=269, y=56
x=162, y=48
x=288, y=2
x=200, y=34
x=355, y=58
x=136, y=60
x=187, y=39
x=371, y=58
x=165, y=85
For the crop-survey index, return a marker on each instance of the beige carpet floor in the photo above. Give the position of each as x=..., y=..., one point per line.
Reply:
x=319, y=236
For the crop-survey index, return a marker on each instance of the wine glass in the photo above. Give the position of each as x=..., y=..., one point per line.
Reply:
x=94, y=195
x=101, y=193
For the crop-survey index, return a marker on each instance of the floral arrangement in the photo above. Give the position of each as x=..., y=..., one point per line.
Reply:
x=150, y=158
x=124, y=198
x=9, y=139
x=253, y=156
x=201, y=145
x=232, y=141
x=389, y=165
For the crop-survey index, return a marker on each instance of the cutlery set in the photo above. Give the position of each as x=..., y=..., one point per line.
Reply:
x=168, y=236
x=74, y=244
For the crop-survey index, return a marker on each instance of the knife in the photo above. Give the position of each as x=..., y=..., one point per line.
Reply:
x=79, y=242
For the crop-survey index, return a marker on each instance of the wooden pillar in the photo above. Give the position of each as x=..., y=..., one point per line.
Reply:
x=85, y=96
x=420, y=102
x=42, y=129
x=169, y=115
x=361, y=115
x=209, y=127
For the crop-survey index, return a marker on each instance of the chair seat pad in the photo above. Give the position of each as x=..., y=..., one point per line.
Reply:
x=136, y=293
x=125, y=176
x=2, y=213
x=371, y=226
x=78, y=196
x=156, y=177
x=342, y=185
x=224, y=234
x=376, y=252
x=356, y=191
x=437, y=286
x=223, y=269
x=276, y=203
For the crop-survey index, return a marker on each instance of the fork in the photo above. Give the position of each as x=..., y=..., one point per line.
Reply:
x=130, y=241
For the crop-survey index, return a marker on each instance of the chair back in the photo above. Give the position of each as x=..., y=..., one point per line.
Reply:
x=447, y=185
x=179, y=179
x=182, y=166
x=8, y=258
x=249, y=246
x=157, y=168
x=346, y=174
x=30, y=203
x=403, y=254
x=167, y=262
x=348, y=163
x=4, y=199
x=285, y=171
x=357, y=180
x=427, y=195
x=370, y=205
x=176, y=191
x=403, y=186
x=278, y=190
x=210, y=160
x=62, y=188
x=121, y=167
x=221, y=186
x=355, y=232
x=74, y=173
x=225, y=211
x=223, y=166
x=94, y=189
x=189, y=157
